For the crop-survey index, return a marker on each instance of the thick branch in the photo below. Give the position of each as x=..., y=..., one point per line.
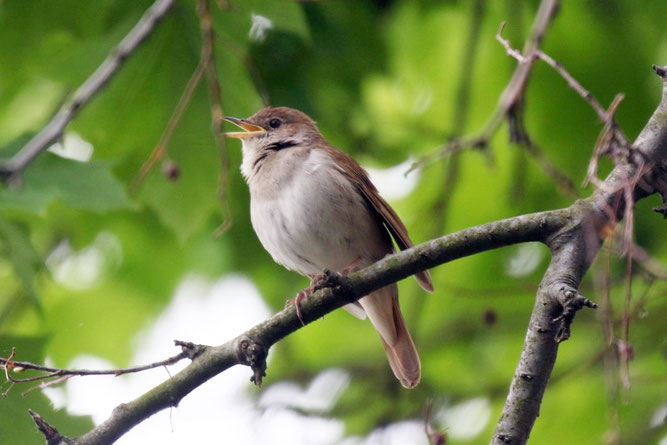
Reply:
x=252, y=346
x=572, y=234
x=55, y=128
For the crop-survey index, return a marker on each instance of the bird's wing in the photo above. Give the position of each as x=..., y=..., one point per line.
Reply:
x=391, y=220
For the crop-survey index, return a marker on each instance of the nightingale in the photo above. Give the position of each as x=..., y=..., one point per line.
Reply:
x=313, y=207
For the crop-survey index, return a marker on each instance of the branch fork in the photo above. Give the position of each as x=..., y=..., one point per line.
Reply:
x=191, y=350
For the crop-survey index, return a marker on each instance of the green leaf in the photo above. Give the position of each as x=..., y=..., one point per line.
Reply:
x=15, y=244
x=83, y=185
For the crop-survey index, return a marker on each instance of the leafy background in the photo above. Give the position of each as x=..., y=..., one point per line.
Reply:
x=381, y=78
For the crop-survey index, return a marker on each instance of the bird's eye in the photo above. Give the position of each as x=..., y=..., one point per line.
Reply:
x=275, y=123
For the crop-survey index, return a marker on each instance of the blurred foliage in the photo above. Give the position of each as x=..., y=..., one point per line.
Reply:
x=381, y=79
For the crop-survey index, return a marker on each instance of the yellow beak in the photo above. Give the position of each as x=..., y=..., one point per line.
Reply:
x=250, y=129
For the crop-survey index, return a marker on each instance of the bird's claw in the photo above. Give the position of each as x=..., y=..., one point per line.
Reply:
x=297, y=302
x=317, y=282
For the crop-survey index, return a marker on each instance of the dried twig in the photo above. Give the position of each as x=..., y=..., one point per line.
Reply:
x=161, y=148
x=571, y=81
x=651, y=266
x=611, y=138
x=58, y=375
x=511, y=96
x=208, y=58
x=605, y=143
x=624, y=347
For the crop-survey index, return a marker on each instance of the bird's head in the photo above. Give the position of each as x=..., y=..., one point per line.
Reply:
x=269, y=131
x=274, y=128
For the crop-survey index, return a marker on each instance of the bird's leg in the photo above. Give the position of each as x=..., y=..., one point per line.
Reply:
x=297, y=300
x=303, y=294
x=316, y=283
x=328, y=277
x=345, y=271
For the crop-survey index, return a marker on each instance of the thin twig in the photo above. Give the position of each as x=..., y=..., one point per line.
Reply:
x=518, y=132
x=625, y=348
x=9, y=364
x=515, y=53
x=160, y=149
x=13, y=167
x=509, y=98
x=514, y=92
x=208, y=57
x=610, y=138
x=47, y=384
x=456, y=145
x=605, y=142
x=650, y=266
x=562, y=180
x=611, y=345
x=571, y=81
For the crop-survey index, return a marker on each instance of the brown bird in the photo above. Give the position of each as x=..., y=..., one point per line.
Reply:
x=313, y=208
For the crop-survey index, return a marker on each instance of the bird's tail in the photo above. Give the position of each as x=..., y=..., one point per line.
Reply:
x=385, y=314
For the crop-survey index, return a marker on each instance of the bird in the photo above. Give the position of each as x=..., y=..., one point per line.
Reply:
x=314, y=208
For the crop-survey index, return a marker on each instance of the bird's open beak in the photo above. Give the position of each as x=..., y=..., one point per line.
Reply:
x=250, y=129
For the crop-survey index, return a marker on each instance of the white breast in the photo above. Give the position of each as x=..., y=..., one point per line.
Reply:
x=317, y=220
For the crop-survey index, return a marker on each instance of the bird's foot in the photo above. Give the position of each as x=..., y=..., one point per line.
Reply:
x=320, y=281
x=297, y=301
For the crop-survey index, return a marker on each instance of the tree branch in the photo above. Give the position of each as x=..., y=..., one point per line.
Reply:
x=251, y=347
x=574, y=235
x=12, y=168
x=574, y=248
